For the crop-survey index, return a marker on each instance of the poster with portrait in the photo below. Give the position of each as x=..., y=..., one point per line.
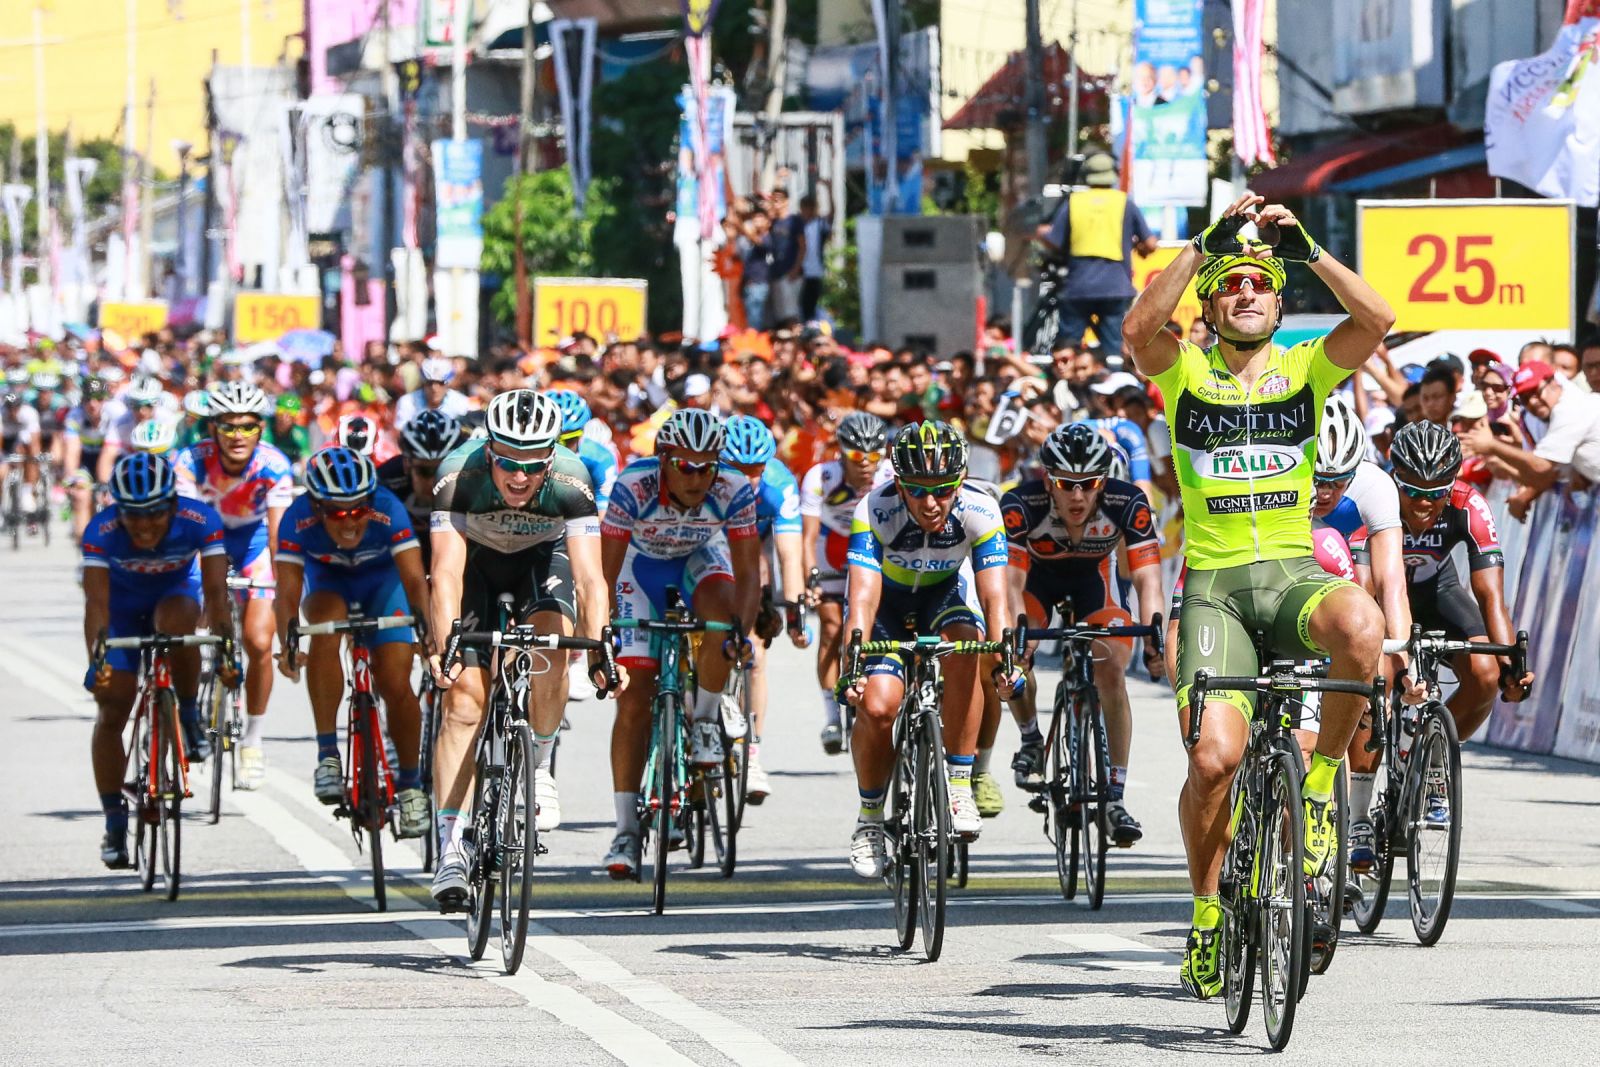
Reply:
x=1163, y=117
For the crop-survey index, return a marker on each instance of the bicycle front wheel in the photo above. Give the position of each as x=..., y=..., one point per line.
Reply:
x=1372, y=886
x=1328, y=903
x=212, y=699
x=1435, y=844
x=145, y=812
x=666, y=790
x=370, y=807
x=1058, y=790
x=722, y=807
x=169, y=790
x=481, y=881
x=1282, y=913
x=519, y=845
x=1092, y=780
x=429, y=703
x=901, y=872
x=931, y=819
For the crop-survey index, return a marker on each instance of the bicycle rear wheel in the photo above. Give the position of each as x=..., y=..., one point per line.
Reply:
x=931, y=820
x=519, y=845
x=169, y=790
x=1372, y=887
x=1434, y=851
x=1093, y=779
x=144, y=811
x=1328, y=903
x=480, y=895
x=1282, y=916
x=1238, y=963
x=1058, y=791
x=723, y=807
x=429, y=702
x=371, y=811
x=666, y=790
x=902, y=871
x=212, y=698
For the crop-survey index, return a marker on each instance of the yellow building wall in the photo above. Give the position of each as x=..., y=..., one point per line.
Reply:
x=86, y=71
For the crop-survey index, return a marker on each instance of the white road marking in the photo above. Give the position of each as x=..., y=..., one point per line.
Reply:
x=1113, y=953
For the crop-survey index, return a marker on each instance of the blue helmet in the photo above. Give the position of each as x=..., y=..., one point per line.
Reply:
x=143, y=481
x=747, y=441
x=340, y=475
x=575, y=413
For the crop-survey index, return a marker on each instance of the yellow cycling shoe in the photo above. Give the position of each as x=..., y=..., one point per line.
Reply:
x=1201, y=971
x=1320, y=836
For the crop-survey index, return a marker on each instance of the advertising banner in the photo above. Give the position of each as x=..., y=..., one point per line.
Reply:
x=601, y=307
x=458, y=193
x=1541, y=124
x=1164, y=119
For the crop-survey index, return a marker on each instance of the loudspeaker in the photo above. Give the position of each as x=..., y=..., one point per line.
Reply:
x=929, y=283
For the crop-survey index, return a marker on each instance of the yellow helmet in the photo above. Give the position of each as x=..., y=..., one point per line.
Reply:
x=1215, y=268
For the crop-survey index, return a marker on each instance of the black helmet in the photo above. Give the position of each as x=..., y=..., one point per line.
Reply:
x=863, y=431
x=1426, y=450
x=929, y=450
x=1076, y=449
x=430, y=436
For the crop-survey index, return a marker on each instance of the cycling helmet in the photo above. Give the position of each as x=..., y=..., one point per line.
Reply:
x=238, y=398
x=575, y=413
x=95, y=389
x=1426, y=450
x=431, y=436
x=197, y=402
x=522, y=418
x=692, y=430
x=356, y=433
x=289, y=404
x=1077, y=449
x=438, y=369
x=340, y=475
x=143, y=481
x=144, y=391
x=863, y=431
x=17, y=377
x=46, y=381
x=746, y=441
x=929, y=450
x=153, y=435
x=1215, y=268
x=1341, y=440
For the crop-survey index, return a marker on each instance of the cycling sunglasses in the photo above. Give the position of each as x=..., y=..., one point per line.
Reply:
x=1088, y=485
x=228, y=429
x=855, y=455
x=519, y=466
x=691, y=468
x=1333, y=481
x=346, y=514
x=1418, y=492
x=1234, y=283
x=938, y=492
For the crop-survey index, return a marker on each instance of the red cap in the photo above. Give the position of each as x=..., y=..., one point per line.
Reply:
x=1483, y=355
x=1531, y=375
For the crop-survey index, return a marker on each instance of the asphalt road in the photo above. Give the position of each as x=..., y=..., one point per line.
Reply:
x=274, y=954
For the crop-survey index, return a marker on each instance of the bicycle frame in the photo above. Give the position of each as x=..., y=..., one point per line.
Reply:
x=155, y=676
x=362, y=717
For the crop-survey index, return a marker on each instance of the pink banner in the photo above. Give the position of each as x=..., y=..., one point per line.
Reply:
x=333, y=22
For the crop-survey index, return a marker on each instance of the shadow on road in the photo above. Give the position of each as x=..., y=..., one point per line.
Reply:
x=1542, y=1005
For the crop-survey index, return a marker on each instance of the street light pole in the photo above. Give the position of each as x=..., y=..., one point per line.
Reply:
x=41, y=151
x=182, y=148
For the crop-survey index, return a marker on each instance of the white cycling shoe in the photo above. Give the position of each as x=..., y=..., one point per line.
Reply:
x=547, y=799
x=327, y=781
x=964, y=817
x=705, y=744
x=869, y=850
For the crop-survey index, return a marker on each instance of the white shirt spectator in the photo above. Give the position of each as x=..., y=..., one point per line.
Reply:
x=1573, y=437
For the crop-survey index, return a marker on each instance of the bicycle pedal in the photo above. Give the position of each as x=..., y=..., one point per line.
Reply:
x=1039, y=803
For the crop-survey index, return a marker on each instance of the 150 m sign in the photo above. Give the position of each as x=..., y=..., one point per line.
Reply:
x=1471, y=264
x=603, y=308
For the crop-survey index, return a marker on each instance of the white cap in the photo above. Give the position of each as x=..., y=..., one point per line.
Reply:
x=1113, y=382
x=1379, y=420
x=696, y=385
x=438, y=370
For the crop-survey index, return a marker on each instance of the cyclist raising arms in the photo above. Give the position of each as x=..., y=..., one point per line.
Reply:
x=749, y=448
x=410, y=475
x=829, y=493
x=920, y=547
x=1066, y=532
x=679, y=519
x=1243, y=418
x=512, y=513
x=147, y=561
x=250, y=484
x=348, y=541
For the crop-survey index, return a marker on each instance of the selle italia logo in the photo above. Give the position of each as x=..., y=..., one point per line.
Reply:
x=1246, y=464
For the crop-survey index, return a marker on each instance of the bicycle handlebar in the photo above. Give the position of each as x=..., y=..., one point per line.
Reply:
x=238, y=582
x=924, y=645
x=1435, y=643
x=163, y=641
x=359, y=624
x=1079, y=632
x=523, y=637
x=1301, y=678
x=671, y=626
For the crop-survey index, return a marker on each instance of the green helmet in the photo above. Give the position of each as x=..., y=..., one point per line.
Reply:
x=289, y=403
x=1215, y=268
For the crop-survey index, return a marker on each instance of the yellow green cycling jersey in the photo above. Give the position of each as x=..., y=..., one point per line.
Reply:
x=1244, y=456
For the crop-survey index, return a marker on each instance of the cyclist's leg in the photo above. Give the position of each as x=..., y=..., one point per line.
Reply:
x=254, y=561
x=640, y=594
x=552, y=608
x=1327, y=616
x=830, y=640
x=325, y=601
x=130, y=617
x=1098, y=599
x=709, y=573
x=1027, y=765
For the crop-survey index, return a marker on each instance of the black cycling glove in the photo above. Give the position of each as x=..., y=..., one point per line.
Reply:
x=1221, y=238
x=1291, y=242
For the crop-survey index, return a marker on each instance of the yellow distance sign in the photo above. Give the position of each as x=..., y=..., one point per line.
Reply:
x=268, y=316
x=133, y=320
x=603, y=308
x=1471, y=264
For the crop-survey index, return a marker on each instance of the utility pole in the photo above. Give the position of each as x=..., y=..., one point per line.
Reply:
x=41, y=149
x=458, y=70
x=777, y=67
x=208, y=213
x=147, y=217
x=1072, y=90
x=130, y=177
x=1033, y=142
x=525, y=147
x=392, y=157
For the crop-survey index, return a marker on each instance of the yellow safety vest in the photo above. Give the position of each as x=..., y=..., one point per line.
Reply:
x=1096, y=218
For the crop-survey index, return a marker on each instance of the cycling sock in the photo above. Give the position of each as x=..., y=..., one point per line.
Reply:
x=189, y=712
x=328, y=745
x=1319, y=779
x=1119, y=781
x=871, y=805
x=960, y=771
x=408, y=778
x=451, y=828
x=116, y=812
x=1030, y=732
x=254, y=727
x=542, y=747
x=707, y=705
x=1207, y=913
x=980, y=763
x=830, y=708
x=627, y=805
x=1361, y=796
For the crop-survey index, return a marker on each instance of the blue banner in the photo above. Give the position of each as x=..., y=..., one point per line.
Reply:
x=458, y=185
x=1165, y=113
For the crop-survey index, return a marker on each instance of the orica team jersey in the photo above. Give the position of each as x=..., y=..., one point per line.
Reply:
x=1465, y=520
x=643, y=513
x=91, y=432
x=1036, y=533
x=1243, y=456
x=242, y=499
x=302, y=538
x=602, y=466
x=827, y=497
x=465, y=500
x=884, y=537
x=196, y=531
x=1129, y=438
x=777, y=500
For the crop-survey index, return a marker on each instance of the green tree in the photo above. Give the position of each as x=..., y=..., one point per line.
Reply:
x=556, y=239
x=102, y=193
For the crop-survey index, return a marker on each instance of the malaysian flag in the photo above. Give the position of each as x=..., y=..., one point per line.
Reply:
x=1252, y=140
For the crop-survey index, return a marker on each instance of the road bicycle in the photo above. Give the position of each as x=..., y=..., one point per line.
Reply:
x=369, y=794
x=503, y=837
x=1077, y=788
x=679, y=802
x=432, y=707
x=223, y=706
x=916, y=816
x=1265, y=911
x=157, y=778
x=1420, y=765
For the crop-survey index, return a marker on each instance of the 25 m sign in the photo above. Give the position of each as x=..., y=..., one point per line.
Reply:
x=1471, y=264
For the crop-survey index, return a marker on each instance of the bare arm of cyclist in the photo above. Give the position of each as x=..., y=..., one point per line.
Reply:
x=96, y=609
x=286, y=606
x=1488, y=585
x=1388, y=571
x=449, y=561
x=414, y=580
x=1145, y=328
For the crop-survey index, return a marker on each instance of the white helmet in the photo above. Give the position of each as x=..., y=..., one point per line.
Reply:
x=197, y=402
x=238, y=398
x=691, y=429
x=522, y=418
x=153, y=435
x=357, y=433
x=437, y=369
x=144, y=390
x=1341, y=440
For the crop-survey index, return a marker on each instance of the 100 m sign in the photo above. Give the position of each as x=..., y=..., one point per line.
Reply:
x=603, y=308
